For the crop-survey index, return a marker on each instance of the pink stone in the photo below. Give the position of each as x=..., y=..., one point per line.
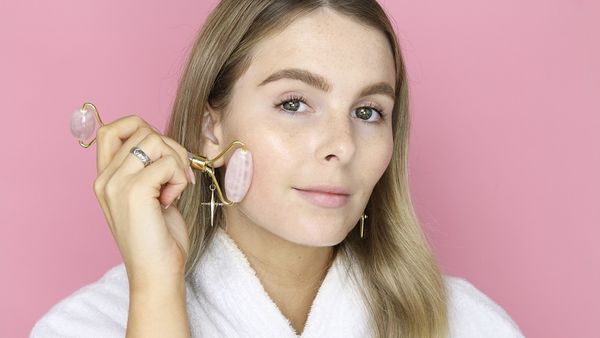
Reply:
x=83, y=123
x=238, y=175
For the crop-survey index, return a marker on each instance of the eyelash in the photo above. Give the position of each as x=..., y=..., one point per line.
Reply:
x=300, y=98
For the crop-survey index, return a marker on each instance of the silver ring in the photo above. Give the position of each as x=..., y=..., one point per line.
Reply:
x=139, y=153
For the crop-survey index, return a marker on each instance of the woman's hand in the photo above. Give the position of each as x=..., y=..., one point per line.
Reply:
x=153, y=241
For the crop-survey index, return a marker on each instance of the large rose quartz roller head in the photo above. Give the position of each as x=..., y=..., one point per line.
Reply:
x=238, y=175
x=83, y=123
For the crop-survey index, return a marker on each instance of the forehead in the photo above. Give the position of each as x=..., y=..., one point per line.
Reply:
x=333, y=45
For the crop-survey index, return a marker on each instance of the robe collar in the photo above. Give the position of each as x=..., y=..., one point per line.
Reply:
x=230, y=300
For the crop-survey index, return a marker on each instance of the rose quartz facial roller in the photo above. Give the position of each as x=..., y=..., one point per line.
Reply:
x=238, y=174
x=83, y=123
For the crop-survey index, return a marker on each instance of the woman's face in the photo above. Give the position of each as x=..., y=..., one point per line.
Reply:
x=314, y=108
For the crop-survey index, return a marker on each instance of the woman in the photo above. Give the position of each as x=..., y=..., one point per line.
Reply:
x=324, y=243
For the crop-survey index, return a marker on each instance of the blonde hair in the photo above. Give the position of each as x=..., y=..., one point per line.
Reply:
x=402, y=285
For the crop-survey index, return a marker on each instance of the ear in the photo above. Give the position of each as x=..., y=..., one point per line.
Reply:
x=212, y=134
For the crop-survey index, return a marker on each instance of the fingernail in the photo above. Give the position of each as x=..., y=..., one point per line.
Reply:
x=166, y=207
x=191, y=175
x=178, y=197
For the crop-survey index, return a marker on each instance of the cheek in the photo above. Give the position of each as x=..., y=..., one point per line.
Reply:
x=274, y=151
x=273, y=162
x=378, y=156
x=387, y=155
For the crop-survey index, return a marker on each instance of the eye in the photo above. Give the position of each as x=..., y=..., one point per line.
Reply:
x=366, y=113
x=292, y=104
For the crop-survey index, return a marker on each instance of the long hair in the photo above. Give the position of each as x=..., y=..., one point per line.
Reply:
x=401, y=282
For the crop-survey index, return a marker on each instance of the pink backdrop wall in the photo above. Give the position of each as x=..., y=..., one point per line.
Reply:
x=504, y=156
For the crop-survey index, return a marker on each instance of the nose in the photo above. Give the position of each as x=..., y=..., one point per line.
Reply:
x=337, y=141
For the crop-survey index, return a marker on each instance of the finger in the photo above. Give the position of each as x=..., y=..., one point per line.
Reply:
x=183, y=153
x=180, y=233
x=100, y=196
x=105, y=153
x=110, y=138
x=179, y=149
x=136, y=139
x=166, y=172
x=155, y=148
x=119, y=156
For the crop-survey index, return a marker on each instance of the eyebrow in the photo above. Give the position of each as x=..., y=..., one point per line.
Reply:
x=319, y=82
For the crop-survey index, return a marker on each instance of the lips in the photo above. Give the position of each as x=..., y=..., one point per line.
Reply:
x=325, y=196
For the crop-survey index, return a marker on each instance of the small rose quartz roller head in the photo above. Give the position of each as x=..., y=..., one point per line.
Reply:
x=238, y=175
x=83, y=123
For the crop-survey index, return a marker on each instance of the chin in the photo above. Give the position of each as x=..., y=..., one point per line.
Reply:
x=314, y=235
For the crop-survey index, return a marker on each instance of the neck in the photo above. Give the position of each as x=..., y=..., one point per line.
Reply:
x=277, y=259
x=290, y=273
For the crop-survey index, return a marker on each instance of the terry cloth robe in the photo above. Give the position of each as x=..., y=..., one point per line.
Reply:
x=226, y=299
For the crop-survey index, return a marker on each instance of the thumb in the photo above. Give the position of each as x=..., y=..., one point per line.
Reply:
x=177, y=228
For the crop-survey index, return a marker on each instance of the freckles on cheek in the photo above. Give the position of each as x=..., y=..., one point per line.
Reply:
x=278, y=142
x=385, y=157
x=273, y=159
x=388, y=158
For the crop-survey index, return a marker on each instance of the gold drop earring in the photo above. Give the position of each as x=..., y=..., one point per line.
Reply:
x=362, y=224
x=213, y=204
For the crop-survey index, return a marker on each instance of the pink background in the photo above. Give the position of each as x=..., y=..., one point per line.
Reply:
x=504, y=155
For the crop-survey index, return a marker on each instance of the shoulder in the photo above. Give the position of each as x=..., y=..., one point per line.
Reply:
x=96, y=310
x=473, y=314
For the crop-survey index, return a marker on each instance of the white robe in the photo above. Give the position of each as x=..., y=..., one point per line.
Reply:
x=226, y=299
